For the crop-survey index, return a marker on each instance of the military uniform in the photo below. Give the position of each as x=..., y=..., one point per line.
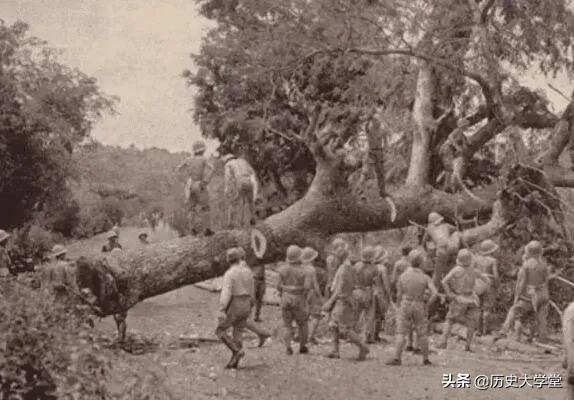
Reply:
x=531, y=294
x=367, y=282
x=293, y=286
x=236, y=300
x=109, y=247
x=486, y=290
x=199, y=172
x=240, y=191
x=314, y=296
x=412, y=287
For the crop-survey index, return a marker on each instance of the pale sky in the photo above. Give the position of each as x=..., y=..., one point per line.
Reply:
x=137, y=50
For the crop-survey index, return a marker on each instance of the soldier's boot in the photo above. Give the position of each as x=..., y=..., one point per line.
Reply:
x=424, y=345
x=336, y=338
x=288, y=339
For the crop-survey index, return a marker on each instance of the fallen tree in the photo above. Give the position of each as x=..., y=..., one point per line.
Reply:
x=441, y=141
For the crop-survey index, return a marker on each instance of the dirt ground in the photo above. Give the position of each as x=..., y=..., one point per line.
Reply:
x=268, y=373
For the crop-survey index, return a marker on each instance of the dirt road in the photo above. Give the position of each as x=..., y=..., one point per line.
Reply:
x=269, y=374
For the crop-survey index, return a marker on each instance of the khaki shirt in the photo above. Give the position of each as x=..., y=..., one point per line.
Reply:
x=237, y=281
x=294, y=278
x=237, y=171
x=366, y=275
x=461, y=280
x=486, y=265
x=312, y=276
x=413, y=284
x=533, y=275
x=344, y=282
x=198, y=168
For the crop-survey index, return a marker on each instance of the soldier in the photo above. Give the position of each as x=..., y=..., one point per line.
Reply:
x=5, y=261
x=261, y=333
x=293, y=286
x=314, y=297
x=342, y=309
x=412, y=286
x=368, y=280
x=241, y=191
x=199, y=172
x=112, y=242
x=340, y=254
x=531, y=292
x=459, y=286
x=400, y=266
x=486, y=292
x=383, y=295
x=447, y=242
x=260, y=287
x=57, y=276
x=143, y=238
x=235, y=303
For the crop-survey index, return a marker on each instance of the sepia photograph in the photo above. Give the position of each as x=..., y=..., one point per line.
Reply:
x=286, y=199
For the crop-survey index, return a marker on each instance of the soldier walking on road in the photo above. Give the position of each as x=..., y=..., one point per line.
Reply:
x=261, y=333
x=342, y=308
x=368, y=281
x=199, y=172
x=412, y=314
x=459, y=286
x=293, y=286
x=531, y=293
x=235, y=305
x=112, y=242
x=486, y=292
x=314, y=297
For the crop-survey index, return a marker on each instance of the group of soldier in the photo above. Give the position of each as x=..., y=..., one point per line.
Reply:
x=357, y=296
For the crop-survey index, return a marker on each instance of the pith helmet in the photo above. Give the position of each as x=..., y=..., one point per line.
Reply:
x=199, y=147
x=142, y=234
x=487, y=247
x=116, y=229
x=111, y=234
x=435, y=218
x=227, y=157
x=380, y=254
x=58, y=250
x=416, y=258
x=338, y=242
x=294, y=254
x=464, y=258
x=533, y=249
x=368, y=254
x=233, y=255
x=308, y=255
x=3, y=235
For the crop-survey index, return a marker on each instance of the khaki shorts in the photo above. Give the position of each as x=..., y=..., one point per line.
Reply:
x=412, y=316
x=294, y=308
x=343, y=316
x=468, y=314
x=237, y=313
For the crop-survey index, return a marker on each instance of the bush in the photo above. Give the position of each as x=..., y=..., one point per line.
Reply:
x=32, y=241
x=49, y=351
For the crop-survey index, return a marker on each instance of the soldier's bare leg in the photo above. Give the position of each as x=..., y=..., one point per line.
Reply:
x=288, y=330
x=446, y=334
x=303, y=335
x=400, y=340
x=424, y=345
x=260, y=332
x=542, y=321
x=313, y=326
x=356, y=340
x=238, y=339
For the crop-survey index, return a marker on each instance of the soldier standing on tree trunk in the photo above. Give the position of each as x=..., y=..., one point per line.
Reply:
x=199, y=172
x=241, y=191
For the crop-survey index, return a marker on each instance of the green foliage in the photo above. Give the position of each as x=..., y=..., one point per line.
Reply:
x=46, y=109
x=32, y=241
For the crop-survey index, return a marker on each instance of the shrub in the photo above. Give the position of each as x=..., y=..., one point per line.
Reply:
x=32, y=241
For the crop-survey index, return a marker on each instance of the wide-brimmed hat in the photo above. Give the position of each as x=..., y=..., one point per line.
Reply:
x=112, y=234
x=533, y=249
x=293, y=254
x=380, y=254
x=435, y=218
x=416, y=258
x=233, y=255
x=338, y=242
x=308, y=255
x=368, y=254
x=58, y=250
x=3, y=235
x=227, y=157
x=487, y=247
x=464, y=258
x=198, y=147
